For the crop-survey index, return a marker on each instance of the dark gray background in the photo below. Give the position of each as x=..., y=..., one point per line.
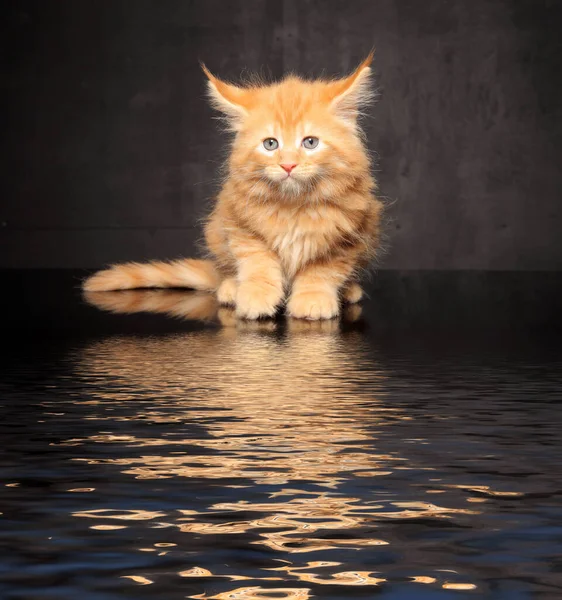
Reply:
x=111, y=152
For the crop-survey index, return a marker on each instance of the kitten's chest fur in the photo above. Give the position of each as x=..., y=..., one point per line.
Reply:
x=301, y=235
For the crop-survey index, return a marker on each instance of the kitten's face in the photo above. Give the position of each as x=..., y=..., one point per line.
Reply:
x=292, y=141
x=295, y=136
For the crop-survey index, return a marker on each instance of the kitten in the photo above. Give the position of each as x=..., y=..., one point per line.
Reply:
x=296, y=215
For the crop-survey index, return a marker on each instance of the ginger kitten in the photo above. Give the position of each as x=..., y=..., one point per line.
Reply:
x=296, y=218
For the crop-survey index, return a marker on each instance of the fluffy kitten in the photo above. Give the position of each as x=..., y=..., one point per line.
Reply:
x=296, y=216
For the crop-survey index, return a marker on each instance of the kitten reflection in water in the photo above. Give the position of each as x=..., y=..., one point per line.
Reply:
x=201, y=306
x=277, y=409
x=277, y=435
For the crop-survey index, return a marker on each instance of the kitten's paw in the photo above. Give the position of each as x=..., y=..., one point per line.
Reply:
x=226, y=294
x=313, y=305
x=255, y=299
x=352, y=293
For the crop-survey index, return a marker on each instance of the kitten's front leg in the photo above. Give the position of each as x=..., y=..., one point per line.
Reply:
x=315, y=293
x=260, y=278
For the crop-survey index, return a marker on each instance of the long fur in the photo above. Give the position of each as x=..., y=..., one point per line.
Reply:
x=273, y=238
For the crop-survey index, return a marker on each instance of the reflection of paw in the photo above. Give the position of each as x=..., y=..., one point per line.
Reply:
x=226, y=294
x=232, y=325
x=255, y=299
x=352, y=313
x=226, y=316
x=313, y=305
x=257, y=326
x=324, y=326
x=352, y=293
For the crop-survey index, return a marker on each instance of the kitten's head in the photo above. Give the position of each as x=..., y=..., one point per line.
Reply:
x=296, y=136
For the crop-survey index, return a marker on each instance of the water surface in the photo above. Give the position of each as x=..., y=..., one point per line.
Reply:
x=186, y=455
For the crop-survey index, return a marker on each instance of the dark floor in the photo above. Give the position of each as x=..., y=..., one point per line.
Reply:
x=153, y=447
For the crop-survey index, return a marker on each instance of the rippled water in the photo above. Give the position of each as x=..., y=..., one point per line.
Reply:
x=278, y=460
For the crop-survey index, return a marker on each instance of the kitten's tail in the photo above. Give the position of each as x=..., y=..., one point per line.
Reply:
x=185, y=273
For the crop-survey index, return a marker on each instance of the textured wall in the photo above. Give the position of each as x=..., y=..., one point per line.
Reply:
x=112, y=152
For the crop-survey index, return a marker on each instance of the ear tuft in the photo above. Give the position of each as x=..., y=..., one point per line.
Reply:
x=227, y=98
x=352, y=93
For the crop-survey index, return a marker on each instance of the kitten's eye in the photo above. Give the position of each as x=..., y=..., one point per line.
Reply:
x=310, y=142
x=270, y=144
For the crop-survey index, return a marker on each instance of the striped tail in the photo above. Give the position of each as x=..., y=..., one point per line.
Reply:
x=186, y=273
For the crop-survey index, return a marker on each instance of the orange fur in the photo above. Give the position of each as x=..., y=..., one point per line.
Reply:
x=273, y=236
x=192, y=273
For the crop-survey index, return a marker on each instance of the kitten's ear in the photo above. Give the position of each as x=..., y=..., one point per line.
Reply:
x=352, y=93
x=227, y=98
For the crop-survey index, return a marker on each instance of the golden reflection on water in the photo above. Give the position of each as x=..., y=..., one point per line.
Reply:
x=258, y=593
x=138, y=579
x=297, y=410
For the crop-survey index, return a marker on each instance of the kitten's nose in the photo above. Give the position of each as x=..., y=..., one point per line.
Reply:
x=288, y=167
